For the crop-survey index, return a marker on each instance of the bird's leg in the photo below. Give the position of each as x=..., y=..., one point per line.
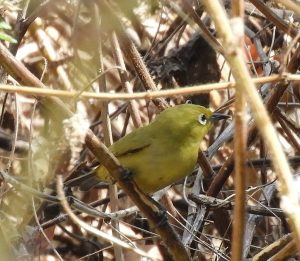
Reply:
x=161, y=214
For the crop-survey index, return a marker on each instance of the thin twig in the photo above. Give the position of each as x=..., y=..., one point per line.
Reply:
x=90, y=229
x=240, y=142
x=131, y=52
x=289, y=195
x=274, y=18
x=109, y=161
x=292, y=5
x=185, y=91
x=125, y=81
x=42, y=231
x=108, y=140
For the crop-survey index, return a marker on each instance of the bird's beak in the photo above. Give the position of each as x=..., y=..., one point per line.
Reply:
x=219, y=116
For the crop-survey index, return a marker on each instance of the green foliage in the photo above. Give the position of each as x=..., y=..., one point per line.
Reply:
x=3, y=35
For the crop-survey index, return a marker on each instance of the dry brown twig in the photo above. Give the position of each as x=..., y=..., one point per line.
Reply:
x=240, y=140
x=91, y=229
x=21, y=73
x=149, y=95
x=240, y=72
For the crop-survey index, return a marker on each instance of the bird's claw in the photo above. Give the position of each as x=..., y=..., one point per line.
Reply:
x=162, y=217
x=126, y=175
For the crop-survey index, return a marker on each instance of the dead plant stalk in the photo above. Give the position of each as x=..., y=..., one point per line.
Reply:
x=289, y=196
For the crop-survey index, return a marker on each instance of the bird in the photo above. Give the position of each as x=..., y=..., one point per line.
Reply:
x=166, y=150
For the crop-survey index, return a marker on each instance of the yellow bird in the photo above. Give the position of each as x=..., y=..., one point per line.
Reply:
x=166, y=150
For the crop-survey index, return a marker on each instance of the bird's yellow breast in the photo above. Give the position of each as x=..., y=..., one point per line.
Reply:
x=159, y=169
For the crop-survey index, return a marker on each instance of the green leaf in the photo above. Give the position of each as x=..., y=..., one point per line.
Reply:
x=6, y=37
x=5, y=26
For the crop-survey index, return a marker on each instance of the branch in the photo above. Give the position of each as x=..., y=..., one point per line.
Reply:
x=58, y=111
x=149, y=95
x=289, y=194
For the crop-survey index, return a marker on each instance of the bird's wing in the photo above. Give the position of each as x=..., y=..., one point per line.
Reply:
x=132, y=143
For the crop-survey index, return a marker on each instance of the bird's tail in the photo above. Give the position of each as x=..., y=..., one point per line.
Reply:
x=86, y=181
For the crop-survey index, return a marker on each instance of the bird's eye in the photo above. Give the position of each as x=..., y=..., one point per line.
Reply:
x=202, y=119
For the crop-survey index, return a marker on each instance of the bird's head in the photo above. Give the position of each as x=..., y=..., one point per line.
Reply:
x=189, y=120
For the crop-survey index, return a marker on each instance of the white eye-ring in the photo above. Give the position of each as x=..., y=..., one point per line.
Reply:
x=202, y=119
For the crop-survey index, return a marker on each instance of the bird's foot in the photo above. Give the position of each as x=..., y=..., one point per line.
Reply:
x=126, y=175
x=162, y=217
